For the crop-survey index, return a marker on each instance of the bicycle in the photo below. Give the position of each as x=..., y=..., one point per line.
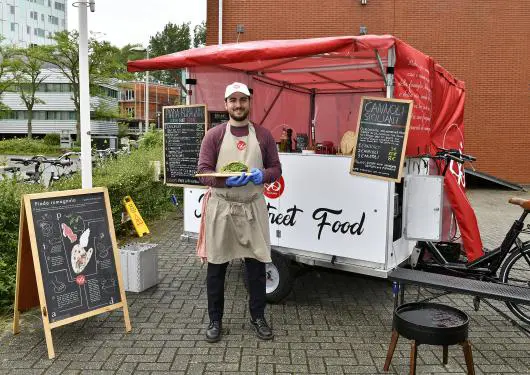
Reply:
x=508, y=264
x=37, y=175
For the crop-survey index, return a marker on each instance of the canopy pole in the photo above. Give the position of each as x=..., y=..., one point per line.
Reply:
x=311, y=116
x=390, y=72
x=271, y=107
x=381, y=66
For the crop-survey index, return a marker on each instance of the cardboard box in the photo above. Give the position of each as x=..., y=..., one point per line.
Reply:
x=139, y=264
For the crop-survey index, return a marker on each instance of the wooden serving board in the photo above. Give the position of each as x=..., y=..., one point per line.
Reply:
x=218, y=174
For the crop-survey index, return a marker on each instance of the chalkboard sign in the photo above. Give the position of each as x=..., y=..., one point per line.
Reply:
x=184, y=129
x=69, y=238
x=382, y=138
x=217, y=118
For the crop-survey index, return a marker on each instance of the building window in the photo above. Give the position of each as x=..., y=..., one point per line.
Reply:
x=59, y=6
x=42, y=17
x=130, y=112
x=12, y=9
x=50, y=3
x=39, y=32
x=34, y=15
x=12, y=26
x=53, y=20
x=28, y=29
x=129, y=95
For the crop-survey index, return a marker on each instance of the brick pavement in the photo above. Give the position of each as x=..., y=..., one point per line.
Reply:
x=333, y=323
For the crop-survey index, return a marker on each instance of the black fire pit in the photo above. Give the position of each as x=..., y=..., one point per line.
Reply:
x=431, y=324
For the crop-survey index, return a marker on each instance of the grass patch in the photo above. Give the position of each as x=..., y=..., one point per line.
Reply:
x=26, y=146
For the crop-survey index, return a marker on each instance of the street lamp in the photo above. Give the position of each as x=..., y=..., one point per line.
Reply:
x=146, y=96
x=84, y=95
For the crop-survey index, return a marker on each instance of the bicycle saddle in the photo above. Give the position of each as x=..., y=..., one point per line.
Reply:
x=525, y=204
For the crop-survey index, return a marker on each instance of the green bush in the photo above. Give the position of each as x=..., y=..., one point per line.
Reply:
x=128, y=175
x=10, y=195
x=152, y=139
x=52, y=139
x=26, y=146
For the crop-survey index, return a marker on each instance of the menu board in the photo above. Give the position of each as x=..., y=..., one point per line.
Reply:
x=75, y=254
x=217, y=118
x=382, y=138
x=184, y=129
x=67, y=259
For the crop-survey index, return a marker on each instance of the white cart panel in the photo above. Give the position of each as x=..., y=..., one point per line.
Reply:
x=343, y=215
x=423, y=204
x=323, y=209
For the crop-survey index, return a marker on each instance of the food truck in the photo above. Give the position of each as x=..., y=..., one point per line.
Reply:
x=308, y=93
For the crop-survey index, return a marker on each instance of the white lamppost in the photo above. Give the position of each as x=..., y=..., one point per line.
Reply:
x=84, y=94
x=146, y=109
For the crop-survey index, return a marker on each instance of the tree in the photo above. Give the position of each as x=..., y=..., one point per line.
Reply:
x=103, y=62
x=6, y=71
x=173, y=38
x=199, y=35
x=28, y=77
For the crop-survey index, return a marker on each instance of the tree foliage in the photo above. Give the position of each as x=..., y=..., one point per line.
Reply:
x=27, y=66
x=173, y=38
x=6, y=71
x=199, y=35
x=103, y=61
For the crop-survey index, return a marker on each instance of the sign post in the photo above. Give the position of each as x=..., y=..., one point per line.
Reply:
x=184, y=129
x=381, y=138
x=67, y=260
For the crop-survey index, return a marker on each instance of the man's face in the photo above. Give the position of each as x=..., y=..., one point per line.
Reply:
x=238, y=106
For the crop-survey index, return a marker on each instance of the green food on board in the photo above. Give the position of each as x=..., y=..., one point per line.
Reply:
x=235, y=166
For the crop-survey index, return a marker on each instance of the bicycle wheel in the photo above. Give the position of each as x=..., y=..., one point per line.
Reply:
x=515, y=270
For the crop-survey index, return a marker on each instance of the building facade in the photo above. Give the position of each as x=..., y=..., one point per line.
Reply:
x=58, y=112
x=132, y=103
x=27, y=22
x=484, y=43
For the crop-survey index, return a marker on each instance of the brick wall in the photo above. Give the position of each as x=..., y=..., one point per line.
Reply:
x=485, y=43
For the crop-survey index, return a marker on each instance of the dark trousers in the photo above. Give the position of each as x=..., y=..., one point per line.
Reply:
x=215, y=285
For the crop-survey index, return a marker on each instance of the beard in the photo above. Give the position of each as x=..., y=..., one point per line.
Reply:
x=243, y=114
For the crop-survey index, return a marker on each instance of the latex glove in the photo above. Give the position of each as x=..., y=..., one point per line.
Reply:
x=257, y=176
x=236, y=181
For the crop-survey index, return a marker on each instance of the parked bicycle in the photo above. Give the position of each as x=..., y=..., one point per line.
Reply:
x=509, y=263
x=40, y=165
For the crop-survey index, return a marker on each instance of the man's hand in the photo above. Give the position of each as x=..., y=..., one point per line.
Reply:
x=236, y=181
x=256, y=176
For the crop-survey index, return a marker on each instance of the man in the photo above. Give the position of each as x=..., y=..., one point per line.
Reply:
x=235, y=221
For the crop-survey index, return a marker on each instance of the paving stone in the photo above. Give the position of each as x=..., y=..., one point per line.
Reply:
x=332, y=323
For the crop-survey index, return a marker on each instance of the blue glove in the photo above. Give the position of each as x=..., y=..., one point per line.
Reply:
x=236, y=181
x=256, y=176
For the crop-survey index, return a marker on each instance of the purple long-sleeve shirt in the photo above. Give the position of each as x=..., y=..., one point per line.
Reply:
x=211, y=146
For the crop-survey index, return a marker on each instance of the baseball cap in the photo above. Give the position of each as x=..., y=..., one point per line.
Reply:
x=236, y=87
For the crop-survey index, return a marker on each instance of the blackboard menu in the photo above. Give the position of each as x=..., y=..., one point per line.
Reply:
x=76, y=254
x=381, y=138
x=217, y=118
x=184, y=129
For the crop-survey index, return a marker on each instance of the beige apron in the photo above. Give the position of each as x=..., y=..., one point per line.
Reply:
x=236, y=218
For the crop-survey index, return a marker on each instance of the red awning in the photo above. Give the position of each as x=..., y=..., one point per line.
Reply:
x=334, y=64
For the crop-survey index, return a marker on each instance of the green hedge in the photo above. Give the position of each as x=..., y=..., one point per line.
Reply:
x=26, y=146
x=128, y=175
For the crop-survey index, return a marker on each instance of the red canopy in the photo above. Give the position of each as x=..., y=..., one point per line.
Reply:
x=341, y=68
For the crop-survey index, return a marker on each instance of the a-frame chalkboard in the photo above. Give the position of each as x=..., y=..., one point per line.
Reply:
x=67, y=262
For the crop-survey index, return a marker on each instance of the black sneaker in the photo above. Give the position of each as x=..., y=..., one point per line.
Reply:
x=213, y=332
x=263, y=330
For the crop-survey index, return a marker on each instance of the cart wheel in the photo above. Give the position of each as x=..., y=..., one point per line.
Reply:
x=280, y=278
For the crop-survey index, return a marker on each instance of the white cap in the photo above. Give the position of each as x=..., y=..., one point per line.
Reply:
x=236, y=87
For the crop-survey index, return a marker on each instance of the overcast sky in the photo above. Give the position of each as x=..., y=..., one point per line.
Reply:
x=134, y=21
